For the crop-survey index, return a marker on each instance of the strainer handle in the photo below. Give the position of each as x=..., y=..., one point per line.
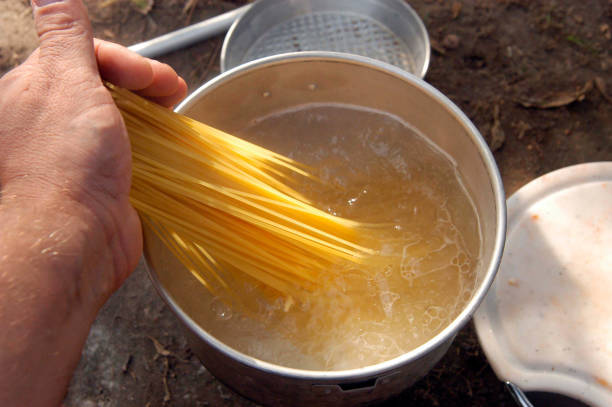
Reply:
x=189, y=35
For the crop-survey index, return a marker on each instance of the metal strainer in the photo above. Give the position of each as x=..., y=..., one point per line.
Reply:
x=387, y=30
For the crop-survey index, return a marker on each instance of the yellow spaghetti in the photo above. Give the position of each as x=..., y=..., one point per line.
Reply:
x=225, y=206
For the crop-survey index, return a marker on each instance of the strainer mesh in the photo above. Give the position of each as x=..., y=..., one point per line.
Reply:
x=333, y=31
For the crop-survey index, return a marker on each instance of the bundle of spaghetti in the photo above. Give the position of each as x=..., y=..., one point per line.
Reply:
x=225, y=206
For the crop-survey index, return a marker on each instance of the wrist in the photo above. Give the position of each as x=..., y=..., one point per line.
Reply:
x=57, y=239
x=62, y=253
x=52, y=287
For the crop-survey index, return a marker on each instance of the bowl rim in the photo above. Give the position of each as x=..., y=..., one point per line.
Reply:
x=448, y=333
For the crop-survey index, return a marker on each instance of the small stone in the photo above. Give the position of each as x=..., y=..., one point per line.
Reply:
x=605, y=30
x=223, y=393
x=451, y=41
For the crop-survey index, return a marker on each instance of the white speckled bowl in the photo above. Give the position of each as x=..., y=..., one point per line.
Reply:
x=546, y=323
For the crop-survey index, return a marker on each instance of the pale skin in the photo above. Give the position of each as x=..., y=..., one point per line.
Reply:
x=68, y=234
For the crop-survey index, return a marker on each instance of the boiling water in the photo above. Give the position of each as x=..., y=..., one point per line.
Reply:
x=380, y=170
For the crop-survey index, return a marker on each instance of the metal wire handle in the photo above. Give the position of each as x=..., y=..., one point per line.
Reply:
x=189, y=35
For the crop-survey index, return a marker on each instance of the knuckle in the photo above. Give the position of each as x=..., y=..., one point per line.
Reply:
x=62, y=24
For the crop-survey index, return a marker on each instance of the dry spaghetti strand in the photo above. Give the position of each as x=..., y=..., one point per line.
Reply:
x=223, y=206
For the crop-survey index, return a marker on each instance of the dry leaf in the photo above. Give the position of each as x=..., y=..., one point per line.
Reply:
x=159, y=348
x=600, y=84
x=143, y=6
x=436, y=46
x=167, y=395
x=558, y=99
x=108, y=33
x=126, y=365
x=161, y=351
x=498, y=136
x=522, y=128
x=605, y=30
x=551, y=102
x=106, y=3
x=456, y=9
x=189, y=6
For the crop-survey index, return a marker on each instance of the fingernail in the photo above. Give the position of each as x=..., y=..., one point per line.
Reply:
x=42, y=3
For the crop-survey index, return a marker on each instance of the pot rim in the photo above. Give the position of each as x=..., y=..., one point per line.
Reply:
x=450, y=330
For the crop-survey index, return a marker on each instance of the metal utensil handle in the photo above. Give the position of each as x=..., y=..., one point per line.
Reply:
x=518, y=395
x=186, y=36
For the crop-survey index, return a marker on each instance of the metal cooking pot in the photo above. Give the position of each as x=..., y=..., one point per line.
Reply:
x=263, y=86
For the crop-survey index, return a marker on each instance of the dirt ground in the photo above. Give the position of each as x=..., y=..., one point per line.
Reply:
x=535, y=78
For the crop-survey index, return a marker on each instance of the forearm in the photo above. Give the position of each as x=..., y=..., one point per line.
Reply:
x=68, y=234
x=49, y=258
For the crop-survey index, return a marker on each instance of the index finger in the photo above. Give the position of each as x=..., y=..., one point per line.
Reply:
x=123, y=67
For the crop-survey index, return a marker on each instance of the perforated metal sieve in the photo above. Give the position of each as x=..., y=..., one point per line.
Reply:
x=386, y=30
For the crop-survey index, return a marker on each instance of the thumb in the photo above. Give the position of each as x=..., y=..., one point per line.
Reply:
x=66, y=39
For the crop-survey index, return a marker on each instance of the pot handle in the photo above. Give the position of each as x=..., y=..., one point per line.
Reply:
x=361, y=386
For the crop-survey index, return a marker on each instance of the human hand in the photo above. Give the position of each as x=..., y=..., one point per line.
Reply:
x=69, y=235
x=63, y=138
